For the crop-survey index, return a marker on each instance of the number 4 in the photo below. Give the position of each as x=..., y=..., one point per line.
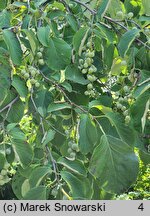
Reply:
x=141, y=207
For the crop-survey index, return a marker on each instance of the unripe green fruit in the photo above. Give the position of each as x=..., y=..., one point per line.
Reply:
x=130, y=15
x=41, y=49
x=127, y=119
x=120, y=15
x=91, y=78
x=8, y=151
x=85, y=65
x=37, y=84
x=94, y=68
x=81, y=61
x=23, y=71
x=89, y=86
x=91, y=70
x=120, y=99
x=54, y=192
x=75, y=147
x=6, y=166
x=123, y=108
x=91, y=54
x=32, y=81
x=88, y=61
x=84, y=71
x=33, y=73
x=119, y=106
x=26, y=76
x=2, y=182
x=86, y=93
x=69, y=150
x=126, y=113
x=135, y=28
x=39, y=54
x=123, y=63
x=92, y=93
x=70, y=144
x=3, y=172
x=1, y=177
x=72, y=154
x=126, y=89
x=89, y=44
x=41, y=61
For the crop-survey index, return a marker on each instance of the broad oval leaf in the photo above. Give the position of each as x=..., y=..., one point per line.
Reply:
x=125, y=133
x=79, y=186
x=58, y=54
x=75, y=166
x=43, y=34
x=13, y=45
x=73, y=74
x=24, y=152
x=87, y=134
x=115, y=164
x=126, y=41
x=38, y=174
x=36, y=193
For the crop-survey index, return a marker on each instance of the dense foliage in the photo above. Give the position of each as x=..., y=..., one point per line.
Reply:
x=74, y=99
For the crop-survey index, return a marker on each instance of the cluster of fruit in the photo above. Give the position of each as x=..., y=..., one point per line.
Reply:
x=121, y=15
x=30, y=74
x=73, y=148
x=123, y=97
x=39, y=56
x=3, y=175
x=86, y=67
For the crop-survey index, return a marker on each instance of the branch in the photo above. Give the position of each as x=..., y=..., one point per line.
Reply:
x=124, y=27
x=8, y=106
x=87, y=7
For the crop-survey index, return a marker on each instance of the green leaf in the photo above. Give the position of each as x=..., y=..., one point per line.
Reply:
x=2, y=161
x=17, y=182
x=16, y=112
x=5, y=18
x=43, y=34
x=20, y=86
x=38, y=174
x=13, y=45
x=36, y=193
x=79, y=186
x=49, y=137
x=140, y=105
x=146, y=6
x=87, y=134
x=73, y=74
x=42, y=99
x=16, y=133
x=72, y=21
x=25, y=187
x=24, y=151
x=58, y=55
x=115, y=164
x=32, y=39
x=78, y=37
x=5, y=82
x=145, y=157
x=125, y=133
x=103, y=8
x=58, y=106
x=126, y=41
x=74, y=166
